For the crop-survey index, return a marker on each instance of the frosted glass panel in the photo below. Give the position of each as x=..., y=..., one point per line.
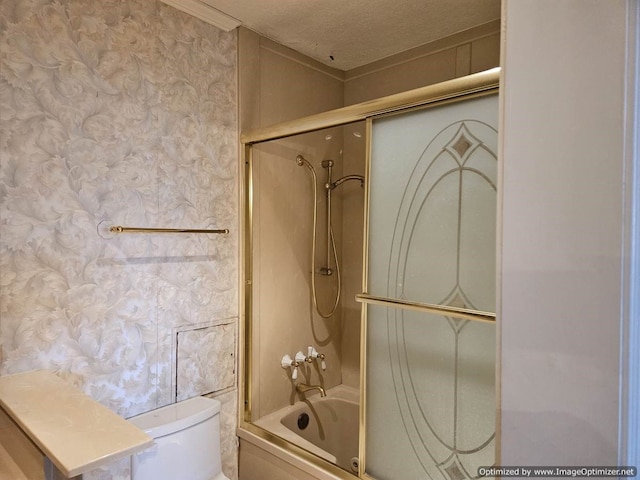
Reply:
x=430, y=396
x=430, y=378
x=433, y=205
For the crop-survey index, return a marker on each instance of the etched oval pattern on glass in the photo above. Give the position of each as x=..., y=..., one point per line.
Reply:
x=443, y=252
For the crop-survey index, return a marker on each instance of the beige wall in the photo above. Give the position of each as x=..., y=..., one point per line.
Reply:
x=564, y=269
x=467, y=52
x=277, y=84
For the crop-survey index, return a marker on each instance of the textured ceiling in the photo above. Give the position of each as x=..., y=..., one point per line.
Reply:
x=350, y=33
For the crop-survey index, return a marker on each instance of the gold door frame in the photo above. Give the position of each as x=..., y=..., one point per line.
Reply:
x=471, y=86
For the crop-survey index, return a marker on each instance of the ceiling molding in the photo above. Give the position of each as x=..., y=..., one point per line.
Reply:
x=206, y=13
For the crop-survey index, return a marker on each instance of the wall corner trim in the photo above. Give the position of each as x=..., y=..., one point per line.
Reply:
x=205, y=12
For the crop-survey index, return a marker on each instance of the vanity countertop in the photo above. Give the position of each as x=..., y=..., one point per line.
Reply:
x=74, y=431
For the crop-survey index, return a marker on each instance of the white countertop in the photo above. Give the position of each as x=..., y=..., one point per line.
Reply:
x=74, y=431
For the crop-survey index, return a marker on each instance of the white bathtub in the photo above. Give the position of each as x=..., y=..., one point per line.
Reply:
x=332, y=430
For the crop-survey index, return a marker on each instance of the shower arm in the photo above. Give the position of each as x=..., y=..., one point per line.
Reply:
x=346, y=178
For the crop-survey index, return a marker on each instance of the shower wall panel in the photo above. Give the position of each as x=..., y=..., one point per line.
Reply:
x=278, y=84
x=470, y=51
x=352, y=197
x=284, y=319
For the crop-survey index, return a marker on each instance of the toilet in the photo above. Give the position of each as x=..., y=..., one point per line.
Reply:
x=186, y=442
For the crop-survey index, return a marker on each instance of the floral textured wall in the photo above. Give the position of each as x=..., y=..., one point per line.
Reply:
x=119, y=112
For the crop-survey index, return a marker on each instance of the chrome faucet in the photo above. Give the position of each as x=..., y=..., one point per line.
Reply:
x=303, y=387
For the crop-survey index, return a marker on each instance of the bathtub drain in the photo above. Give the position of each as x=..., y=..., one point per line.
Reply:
x=303, y=421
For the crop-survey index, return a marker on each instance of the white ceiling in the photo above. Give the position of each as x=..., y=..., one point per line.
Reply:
x=357, y=32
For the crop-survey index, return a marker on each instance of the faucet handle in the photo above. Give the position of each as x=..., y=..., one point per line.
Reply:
x=287, y=362
x=299, y=359
x=313, y=353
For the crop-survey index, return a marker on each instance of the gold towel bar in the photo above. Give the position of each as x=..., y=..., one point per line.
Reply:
x=444, y=310
x=119, y=229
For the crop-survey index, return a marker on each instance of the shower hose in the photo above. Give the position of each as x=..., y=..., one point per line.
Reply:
x=300, y=160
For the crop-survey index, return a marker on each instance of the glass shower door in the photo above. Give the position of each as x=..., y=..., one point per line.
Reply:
x=430, y=292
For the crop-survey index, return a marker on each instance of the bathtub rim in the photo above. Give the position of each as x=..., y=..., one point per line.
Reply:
x=299, y=457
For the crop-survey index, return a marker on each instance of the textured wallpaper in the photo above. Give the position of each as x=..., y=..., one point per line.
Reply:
x=118, y=112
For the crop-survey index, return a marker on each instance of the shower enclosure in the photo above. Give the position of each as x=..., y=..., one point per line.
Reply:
x=369, y=336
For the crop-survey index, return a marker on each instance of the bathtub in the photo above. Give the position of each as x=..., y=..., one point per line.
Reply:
x=327, y=427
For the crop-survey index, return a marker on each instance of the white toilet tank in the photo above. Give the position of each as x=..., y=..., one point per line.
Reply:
x=187, y=442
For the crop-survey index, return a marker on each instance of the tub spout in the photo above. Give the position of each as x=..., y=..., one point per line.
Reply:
x=303, y=387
